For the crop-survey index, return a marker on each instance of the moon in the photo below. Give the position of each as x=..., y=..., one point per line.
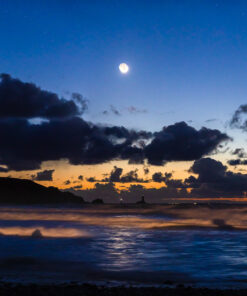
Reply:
x=123, y=68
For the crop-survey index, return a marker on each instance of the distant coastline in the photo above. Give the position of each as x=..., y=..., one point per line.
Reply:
x=14, y=191
x=26, y=192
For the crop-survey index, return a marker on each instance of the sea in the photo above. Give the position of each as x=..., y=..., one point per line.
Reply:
x=159, y=245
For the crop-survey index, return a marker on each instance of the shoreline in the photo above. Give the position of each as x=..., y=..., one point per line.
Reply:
x=73, y=289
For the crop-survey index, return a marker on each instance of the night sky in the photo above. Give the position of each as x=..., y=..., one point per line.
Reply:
x=172, y=127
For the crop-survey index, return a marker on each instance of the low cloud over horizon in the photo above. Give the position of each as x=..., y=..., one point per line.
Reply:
x=209, y=179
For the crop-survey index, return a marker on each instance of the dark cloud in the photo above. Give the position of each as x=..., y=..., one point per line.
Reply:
x=237, y=120
x=212, y=180
x=80, y=177
x=239, y=152
x=130, y=109
x=215, y=181
x=26, y=100
x=91, y=179
x=182, y=142
x=77, y=187
x=112, y=110
x=67, y=182
x=176, y=183
x=132, y=177
x=159, y=177
x=25, y=145
x=167, y=179
x=208, y=170
x=238, y=161
x=45, y=175
x=116, y=175
x=211, y=120
x=146, y=170
x=109, y=193
x=152, y=195
x=81, y=101
x=135, y=110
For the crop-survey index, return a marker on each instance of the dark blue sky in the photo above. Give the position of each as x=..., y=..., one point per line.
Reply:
x=188, y=62
x=188, y=59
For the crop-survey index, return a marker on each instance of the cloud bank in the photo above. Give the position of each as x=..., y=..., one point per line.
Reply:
x=66, y=135
x=209, y=179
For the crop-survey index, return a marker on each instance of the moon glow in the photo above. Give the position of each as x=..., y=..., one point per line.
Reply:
x=123, y=68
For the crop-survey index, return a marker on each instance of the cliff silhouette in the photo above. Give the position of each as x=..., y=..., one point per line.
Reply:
x=20, y=191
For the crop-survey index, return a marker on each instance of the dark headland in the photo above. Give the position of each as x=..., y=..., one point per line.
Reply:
x=20, y=191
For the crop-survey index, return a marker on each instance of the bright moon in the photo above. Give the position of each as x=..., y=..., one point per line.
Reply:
x=124, y=68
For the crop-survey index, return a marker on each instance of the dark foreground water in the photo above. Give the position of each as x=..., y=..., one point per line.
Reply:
x=195, y=245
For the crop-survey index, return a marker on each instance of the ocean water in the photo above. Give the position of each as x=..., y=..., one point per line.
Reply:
x=193, y=245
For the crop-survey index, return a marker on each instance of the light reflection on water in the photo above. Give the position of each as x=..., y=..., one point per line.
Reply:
x=132, y=240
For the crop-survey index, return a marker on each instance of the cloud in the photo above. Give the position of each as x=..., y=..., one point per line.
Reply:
x=135, y=110
x=91, y=179
x=107, y=191
x=208, y=170
x=116, y=176
x=115, y=111
x=182, y=142
x=112, y=110
x=212, y=180
x=129, y=177
x=239, y=152
x=152, y=195
x=130, y=109
x=236, y=120
x=26, y=100
x=67, y=182
x=159, y=177
x=238, y=161
x=80, y=177
x=64, y=135
x=167, y=179
x=77, y=187
x=211, y=120
x=3, y=170
x=81, y=101
x=46, y=175
x=146, y=170
x=25, y=146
